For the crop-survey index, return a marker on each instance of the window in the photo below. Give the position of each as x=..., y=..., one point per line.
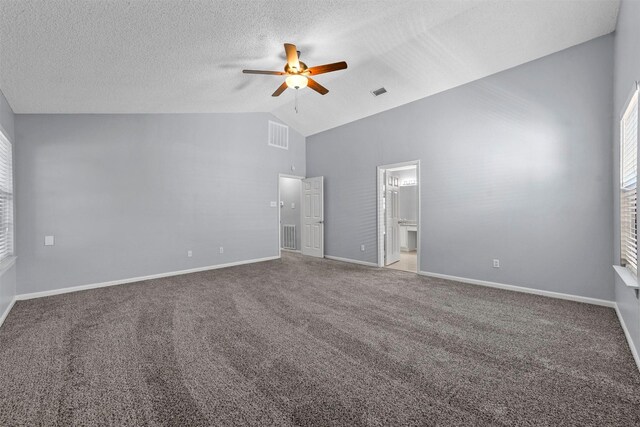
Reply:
x=6, y=198
x=628, y=185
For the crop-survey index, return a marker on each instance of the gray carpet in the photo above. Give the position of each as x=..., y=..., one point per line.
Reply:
x=313, y=342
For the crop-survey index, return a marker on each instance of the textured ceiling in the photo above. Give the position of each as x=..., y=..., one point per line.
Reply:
x=135, y=56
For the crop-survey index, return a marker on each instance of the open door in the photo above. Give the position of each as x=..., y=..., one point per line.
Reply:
x=391, y=219
x=313, y=216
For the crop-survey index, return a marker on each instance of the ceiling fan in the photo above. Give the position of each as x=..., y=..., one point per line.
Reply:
x=298, y=73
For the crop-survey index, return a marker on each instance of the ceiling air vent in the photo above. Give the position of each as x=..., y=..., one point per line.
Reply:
x=379, y=92
x=278, y=135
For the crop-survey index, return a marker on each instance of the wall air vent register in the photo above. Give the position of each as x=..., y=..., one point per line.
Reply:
x=278, y=135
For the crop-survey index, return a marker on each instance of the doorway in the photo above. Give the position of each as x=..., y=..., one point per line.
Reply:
x=290, y=216
x=399, y=216
x=301, y=215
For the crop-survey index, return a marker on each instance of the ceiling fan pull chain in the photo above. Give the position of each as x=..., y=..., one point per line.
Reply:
x=296, y=105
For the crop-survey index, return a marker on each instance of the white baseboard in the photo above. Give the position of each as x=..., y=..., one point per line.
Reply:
x=628, y=336
x=352, y=261
x=137, y=279
x=6, y=312
x=551, y=294
x=295, y=251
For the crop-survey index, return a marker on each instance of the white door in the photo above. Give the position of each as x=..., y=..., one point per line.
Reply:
x=391, y=212
x=313, y=216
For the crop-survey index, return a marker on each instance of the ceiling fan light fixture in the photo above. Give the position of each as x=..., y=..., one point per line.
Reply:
x=298, y=73
x=297, y=81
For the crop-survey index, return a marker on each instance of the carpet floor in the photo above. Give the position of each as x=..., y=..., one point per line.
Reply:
x=306, y=342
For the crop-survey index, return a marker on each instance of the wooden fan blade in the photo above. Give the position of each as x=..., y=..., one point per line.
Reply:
x=327, y=68
x=275, y=73
x=292, y=56
x=281, y=89
x=317, y=87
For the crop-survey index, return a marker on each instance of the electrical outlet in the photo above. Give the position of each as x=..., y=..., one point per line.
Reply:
x=48, y=240
x=221, y=250
x=361, y=248
x=189, y=253
x=496, y=263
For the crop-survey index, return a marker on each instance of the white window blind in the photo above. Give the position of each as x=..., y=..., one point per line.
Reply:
x=6, y=198
x=628, y=185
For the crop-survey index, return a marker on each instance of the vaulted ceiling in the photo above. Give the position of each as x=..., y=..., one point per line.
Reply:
x=176, y=56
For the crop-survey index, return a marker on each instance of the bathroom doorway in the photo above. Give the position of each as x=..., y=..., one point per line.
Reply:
x=399, y=216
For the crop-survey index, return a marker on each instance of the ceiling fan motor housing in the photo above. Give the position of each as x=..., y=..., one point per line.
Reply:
x=303, y=68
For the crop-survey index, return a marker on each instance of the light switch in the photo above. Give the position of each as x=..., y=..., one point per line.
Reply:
x=293, y=205
x=274, y=204
x=48, y=240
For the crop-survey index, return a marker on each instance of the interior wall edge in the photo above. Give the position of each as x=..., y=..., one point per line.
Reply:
x=4, y=315
x=627, y=335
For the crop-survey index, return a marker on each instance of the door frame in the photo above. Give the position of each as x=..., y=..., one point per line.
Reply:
x=391, y=212
x=284, y=175
x=380, y=212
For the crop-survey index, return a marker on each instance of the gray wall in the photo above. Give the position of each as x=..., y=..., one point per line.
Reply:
x=516, y=166
x=128, y=195
x=8, y=277
x=290, y=193
x=627, y=71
